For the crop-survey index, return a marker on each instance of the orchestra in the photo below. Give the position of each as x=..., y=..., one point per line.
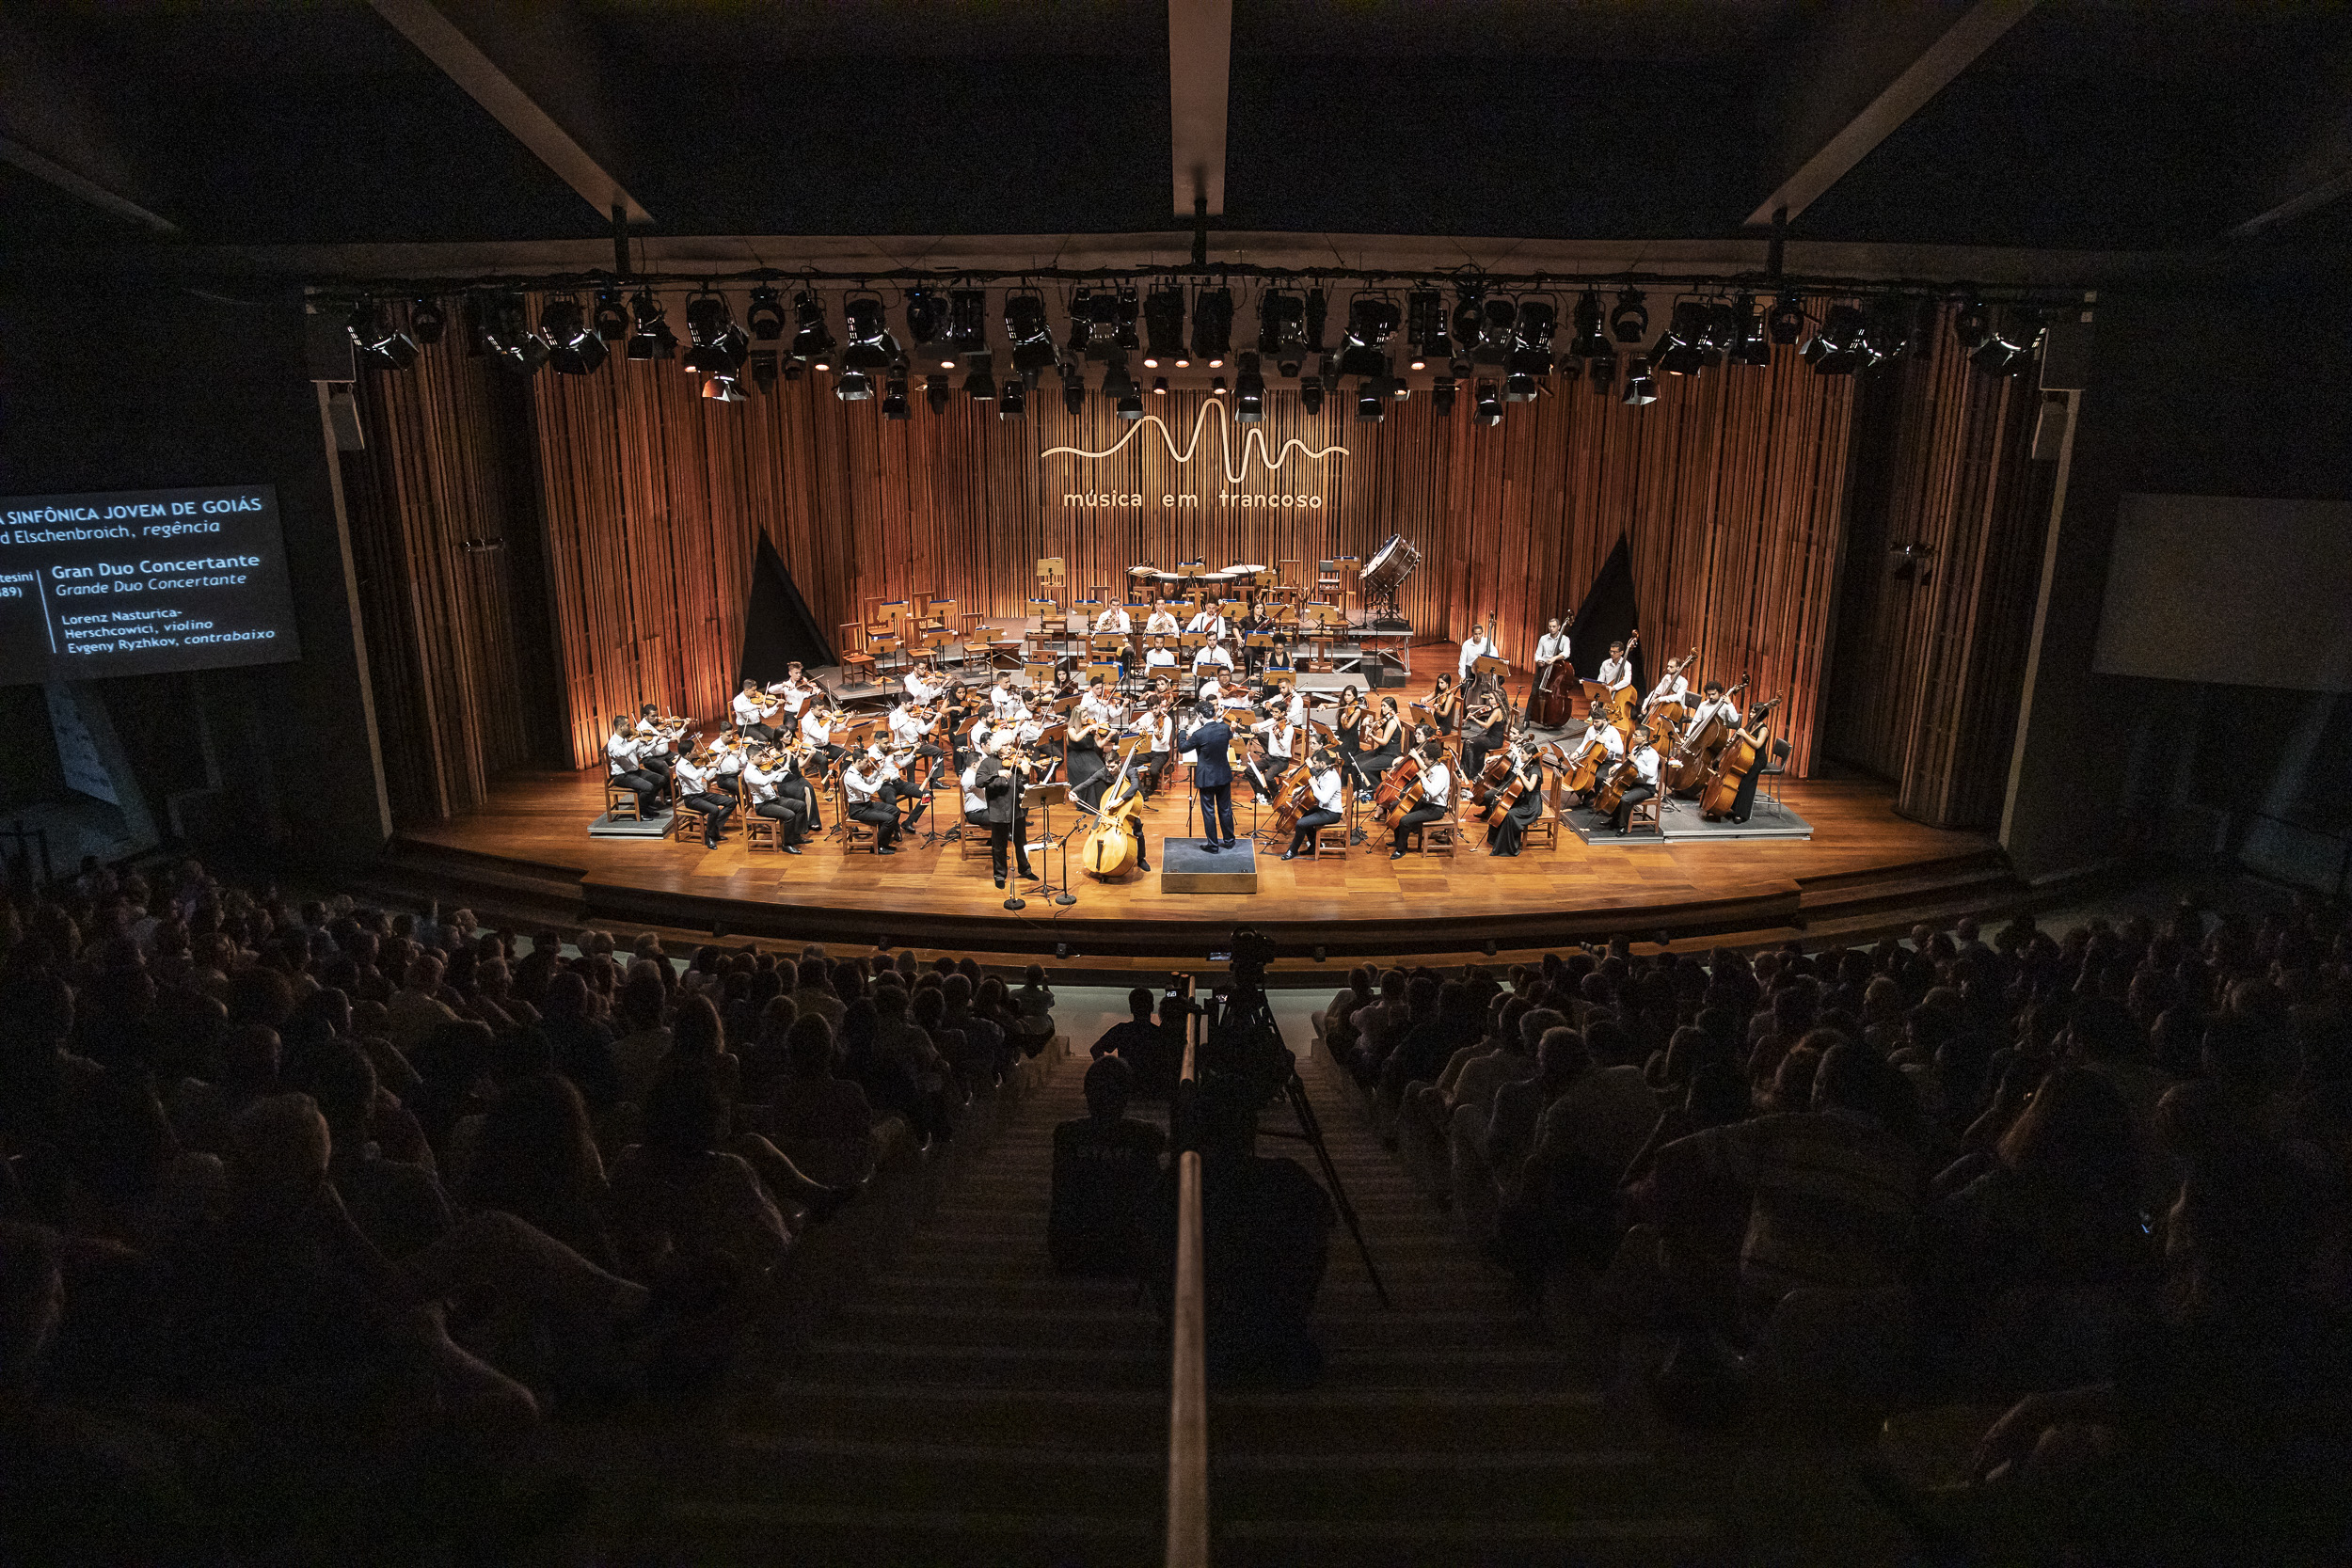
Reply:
x=1467, y=755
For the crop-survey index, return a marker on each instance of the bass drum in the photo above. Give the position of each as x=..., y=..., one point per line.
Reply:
x=1389, y=566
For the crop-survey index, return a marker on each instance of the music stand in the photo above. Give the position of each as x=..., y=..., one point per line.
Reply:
x=1049, y=796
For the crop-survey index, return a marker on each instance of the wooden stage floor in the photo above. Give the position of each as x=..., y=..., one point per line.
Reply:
x=529, y=851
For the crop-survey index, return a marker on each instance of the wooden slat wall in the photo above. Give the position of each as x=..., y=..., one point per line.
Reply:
x=1928, y=673
x=444, y=659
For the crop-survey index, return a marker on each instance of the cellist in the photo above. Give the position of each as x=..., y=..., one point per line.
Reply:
x=1330, y=792
x=1645, y=761
x=1602, y=735
x=1527, y=771
x=1436, y=787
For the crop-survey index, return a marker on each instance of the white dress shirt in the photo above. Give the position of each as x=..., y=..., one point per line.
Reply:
x=1007, y=704
x=1616, y=673
x=918, y=689
x=1157, y=731
x=760, y=783
x=1603, y=735
x=863, y=779
x=621, y=752
x=1160, y=623
x=814, y=729
x=1719, y=708
x=1160, y=658
x=793, y=697
x=1436, y=787
x=1114, y=619
x=1331, y=789
x=1645, y=764
x=1209, y=654
x=905, y=728
x=1473, y=650
x=1210, y=621
x=1551, y=646
x=696, y=779
x=975, y=798
x=750, y=710
x=1673, y=688
x=727, y=759
x=1280, y=735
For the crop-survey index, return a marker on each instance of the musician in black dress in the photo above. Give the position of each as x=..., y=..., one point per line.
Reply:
x=1388, y=739
x=1349, y=730
x=1485, y=730
x=1445, y=706
x=1527, y=769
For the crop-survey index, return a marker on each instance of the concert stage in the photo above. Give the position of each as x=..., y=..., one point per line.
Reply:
x=528, y=858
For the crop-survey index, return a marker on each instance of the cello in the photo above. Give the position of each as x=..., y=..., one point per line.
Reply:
x=1688, y=762
x=1294, y=795
x=1740, y=756
x=1582, y=773
x=1610, y=795
x=1110, y=847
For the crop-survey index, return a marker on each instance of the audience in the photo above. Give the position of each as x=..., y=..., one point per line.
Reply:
x=1105, y=1165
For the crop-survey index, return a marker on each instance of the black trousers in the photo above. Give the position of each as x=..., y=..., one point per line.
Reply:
x=1149, y=768
x=1626, y=801
x=648, y=788
x=799, y=791
x=1216, y=812
x=1414, y=818
x=760, y=735
x=660, y=767
x=786, y=816
x=1016, y=836
x=1303, y=838
x=880, y=816
x=715, y=809
x=899, y=793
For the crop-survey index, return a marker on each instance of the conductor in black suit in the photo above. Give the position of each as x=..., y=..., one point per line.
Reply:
x=1212, y=780
x=1000, y=781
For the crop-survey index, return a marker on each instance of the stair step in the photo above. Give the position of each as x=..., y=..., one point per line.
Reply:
x=1128, y=1420
x=847, y=1535
x=1484, y=1541
x=1030, y=1366
x=928, y=1475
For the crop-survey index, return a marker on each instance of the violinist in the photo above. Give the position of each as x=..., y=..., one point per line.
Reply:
x=1489, y=728
x=1527, y=772
x=1211, y=742
x=1281, y=737
x=727, y=760
x=1158, y=728
x=1435, y=788
x=1350, y=730
x=659, y=737
x=864, y=784
x=1645, y=761
x=1330, y=792
x=910, y=732
x=1005, y=704
x=1599, y=735
x=923, y=687
x=1089, y=728
x=816, y=722
x=623, y=750
x=794, y=690
x=1616, y=671
x=766, y=778
x=1001, y=777
x=1445, y=705
x=696, y=788
x=751, y=712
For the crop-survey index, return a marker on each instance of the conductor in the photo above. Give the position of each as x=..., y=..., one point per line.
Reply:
x=1212, y=779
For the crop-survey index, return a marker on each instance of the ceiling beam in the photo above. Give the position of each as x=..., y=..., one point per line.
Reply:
x=2318, y=173
x=1199, y=80
x=535, y=45
x=51, y=128
x=1865, y=71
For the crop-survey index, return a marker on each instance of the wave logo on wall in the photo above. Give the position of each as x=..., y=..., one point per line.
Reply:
x=1253, y=443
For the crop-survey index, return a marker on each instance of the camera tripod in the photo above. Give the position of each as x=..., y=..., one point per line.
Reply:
x=1245, y=1009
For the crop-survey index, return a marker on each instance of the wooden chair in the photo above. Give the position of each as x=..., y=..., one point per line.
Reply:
x=1644, y=814
x=1544, y=832
x=620, y=802
x=971, y=844
x=1336, y=837
x=1437, y=837
x=856, y=663
x=855, y=835
x=759, y=832
x=685, y=821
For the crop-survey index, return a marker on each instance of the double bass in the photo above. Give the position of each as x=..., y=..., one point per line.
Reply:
x=1688, y=764
x=1110, y=847
x=1553, y=702
x=1741, y=753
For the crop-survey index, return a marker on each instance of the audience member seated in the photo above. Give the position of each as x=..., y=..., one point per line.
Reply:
x=1153, y=1052
x=1107, y=1165
x=823, y=1124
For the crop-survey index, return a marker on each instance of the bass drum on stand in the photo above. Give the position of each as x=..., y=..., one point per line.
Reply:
x=1389, y=566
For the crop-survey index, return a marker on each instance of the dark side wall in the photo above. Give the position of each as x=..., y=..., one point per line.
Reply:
x=107, y=389
x=2233, y=390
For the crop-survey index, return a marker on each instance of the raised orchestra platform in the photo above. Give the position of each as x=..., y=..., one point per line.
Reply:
x=1863, y=870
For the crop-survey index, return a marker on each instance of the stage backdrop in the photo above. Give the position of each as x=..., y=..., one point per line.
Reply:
x=1730, y=489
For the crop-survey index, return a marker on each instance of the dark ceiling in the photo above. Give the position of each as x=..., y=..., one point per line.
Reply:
x=2090, y=123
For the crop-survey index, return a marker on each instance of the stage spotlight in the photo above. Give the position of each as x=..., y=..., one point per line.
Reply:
x=2009, y=344
x=763, y=367
x=573, y=349
x=1752, y=343
x=1722, y=335
x=812, y=342
x=869, y=345
x=653, y=339
x=1159, y=386
x=1074, y=394
x=1497, y=317
x=1787, y=319
x=1250, y=396
x=1424, y=327
x=937, y=392
x=1032, y=336
x=386, y=347
x=1123, y=318
x=926, y=315
x=1213, y=326
x=1014, y=401
x=1282, y=330
x=1217, y=388
x=764, y=315
x=980, y=385
x=1318, y=953
x=1371, y=318
x=1841, y=346
x=1589, y=343
x=427, y=322
x=1894, y=329
x=1116, y=383
x=507, y=332
x=724, y=388
x=610, y=316
x=1486, y=404
x=719, y=345
x=1519, y=387
x=854, y=386
x=1130, y=405
x=1082, y=338
x=1441, y=396
x=1164, y=325
x=1469, y=320
x=1310, y=394
x=1628, y=322
x=1538, y=319
x=1368, y=405
x=1639, y=388
x=1600, y=371
x=1678, y=348
x=1970, y=322
x=967, y=323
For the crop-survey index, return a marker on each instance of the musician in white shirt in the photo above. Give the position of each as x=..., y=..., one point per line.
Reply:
x=1601, y=734
x=770, y=799
x=1159, y=731
x=1208, y=619
x=726, y=759
x=921, y=685
x=794, y=690
x=1114, y=620
x=1159, y=657
x=911, y=731
x=1616, y=671
x=1211, y=656
x=1645, y=761
x=1673, y=689
x=1553, y=644
x=1436, y=785
x=1713, y=704
x=817, y=730
x=623, y=751
x=864, y=786
x=1331, y=794
x=1005, y=702
x=1160, y=623
x=659, y=739
x=752, y=710
x=1477, y=646
x=1281, y=735
x=696, y=781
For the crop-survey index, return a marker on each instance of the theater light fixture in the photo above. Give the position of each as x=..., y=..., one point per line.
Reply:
x=1470, y=317
x=1164, y=326
x=927, y=317
x=763, y=369
x=937, y=392
x=1971, y=323
x=1368, y=401
x=1841, y=344
x=1629, y=320
x=1639, y=388
x=1031, y=335
x=653, y=339
x=967, y=323
x=506, y=333
x=763, y=314
x=2008, y=343
x=1217, y=388
x=1600, y=372
x=1014, y=401
x=1425, y=328
x=1531, y=354
x=727, y=388
x=894, y=402
x=1589, y=343
x=1486, y=407
x=1318, y=312
x=1250, y=392
x=869, y=344
x=1787, y=319
x=1371, y=318
x=719, y=345
x=1159, y=386
x=1213, y=326
x=1310, y=394
x=812, y=342
x=1679, y=350
x=1442, y=395
x=1282, y=330
x=1752, y=343
x=1073, y=390
x=610, y=316
x=573, y=347
x=980, y=385
x=427, y=322
x=1123, y=318
x=384, y=346
x=854, y=386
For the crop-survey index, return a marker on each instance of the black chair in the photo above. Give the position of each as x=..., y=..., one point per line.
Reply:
x=1776, y=765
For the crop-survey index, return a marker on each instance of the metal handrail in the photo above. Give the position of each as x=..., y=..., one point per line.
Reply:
x=1188, y=1381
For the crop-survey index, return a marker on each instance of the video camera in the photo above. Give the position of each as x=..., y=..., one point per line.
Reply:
x=1242, y=1035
